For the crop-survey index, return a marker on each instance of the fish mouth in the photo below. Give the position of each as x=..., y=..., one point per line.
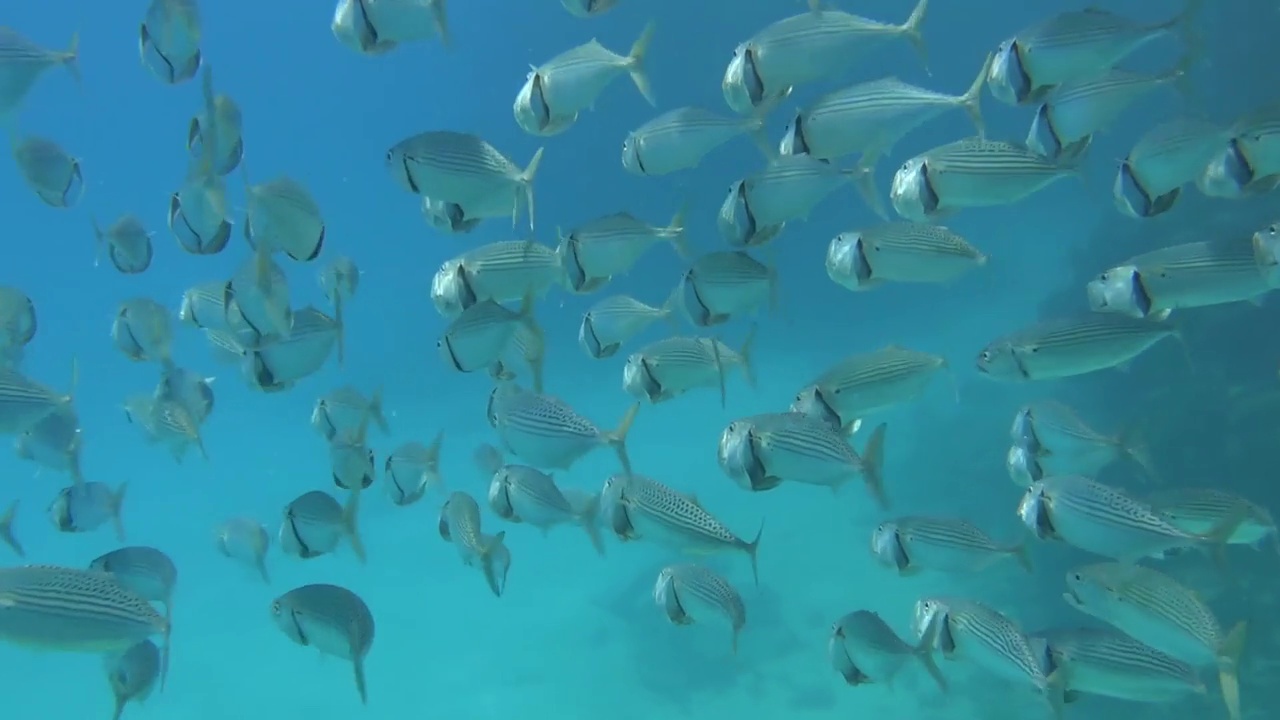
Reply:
x=1073, y=597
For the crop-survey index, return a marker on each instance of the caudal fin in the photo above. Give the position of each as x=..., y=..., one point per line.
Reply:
x=873, y=465
x=1229, y=669
x=6, y=530
x=635, y=64
x=618, y=438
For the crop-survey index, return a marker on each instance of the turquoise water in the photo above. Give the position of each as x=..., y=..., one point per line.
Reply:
x=575, y=635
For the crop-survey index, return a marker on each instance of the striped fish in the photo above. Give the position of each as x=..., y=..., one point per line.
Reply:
x=1189, y=275
x=689, y=593
x=204, y=306
x=639, y=507
x=611, y=245
x=911, y=544
x=521, y=494
x=1062, y=443
x=146, y=571
x=1102, y=661
x=547, y=433
x=314, y=523
x=791, y=186
x=1069, y=346
x=1248, y=162
x=899, y=252
x=483, y=336
x=679, y=139
x=1204, y=509
x=331, y=619
x=727, y=283
x=281, y=362
x=1064, y=125
x=969, y=173
x=25, y=402
x=871, y=117
x=866, y=383
x=411, y=469
x=142, y=331
x=1154, y=609
x=504, y=271
x=672, y=367
x=1096, y=518
x=133, y=674
x=169, y=40
x=864, y=649
x=459, y=167
x=283, y=216
x=1166, y=158
x=615, y=320
x=127, y=243
x=223, y=132
x=460, y=525
x=22, y=63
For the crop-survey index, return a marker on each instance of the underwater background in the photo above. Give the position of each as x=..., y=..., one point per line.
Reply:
x=576, y=635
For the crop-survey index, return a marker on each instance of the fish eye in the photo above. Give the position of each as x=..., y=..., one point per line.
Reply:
x=985, y=354
x=275, y=607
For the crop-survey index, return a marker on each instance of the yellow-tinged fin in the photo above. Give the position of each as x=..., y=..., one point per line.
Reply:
x=873, y=465
x=1229, y=669
x=351, y=522
x=115, y=503
x=618, y=438
x=677, y=232
x=745, y=352
x=636, y=60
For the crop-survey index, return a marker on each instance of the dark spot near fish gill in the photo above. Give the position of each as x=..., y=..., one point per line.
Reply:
x=652, y=388
x=751, y=78
x=573, y=267
x=304, y=551
x=297, y=629
x=408, y=176
x=930, y=198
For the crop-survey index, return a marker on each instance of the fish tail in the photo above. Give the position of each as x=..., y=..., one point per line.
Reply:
x=115, y=504
x=678, y=232
x=536, y=343
x=337, y=317
x=1132, y=445
x=1186, y=27
x=864, y=181
x=71, y=58
x=745, y=352
x=486, y=559
x=526, y=181
x=923, y=651
x=1022, y=553
x=440, y=19
x=635, y=63
x=164, y=651
x=351, y=523
x=168, y=623
x=618, y=438
x=357, y=666
x=715, y=357
x=671, y=306
x=1229, y=669
x=753, y=549
x=971, y=100
x=433, y=456
x=757, y=128
x=587, y=519
x=261, y=563
x=101, y=239
x=6, y=529
x=911, y=31
x=376, y=413
x=873, y=465
x=1055, y=691
x=119, y=711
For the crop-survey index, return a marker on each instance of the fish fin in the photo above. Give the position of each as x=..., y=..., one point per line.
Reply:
x=1055, y=692
x=525, y=180
x=357, y=667
x=678, y=232
x=260, y=562
x=851, y=428
x=6, y=529
x=537, y=340
x=671, y=307
x=1229, y=668
x=752, y=549
x=337, y=318
x=441, y=21
x=71, y=58
x=101, y=241
x=375, y=412
x=911, y=31
x=487, y=562
x=923, y=651
x=1186, y=26
x=1022, y=553
x=618, y=438
x=351, y=522
x=715, y=355
x=635, y=63
x=1131, y=444
x=873, y=465
x=971, y=100
x=864, y=181
x=115, y=504
x=587, y=519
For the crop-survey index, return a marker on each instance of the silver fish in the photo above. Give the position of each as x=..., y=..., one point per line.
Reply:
x=1106, y=662
x=545, y=432
x=133, y=674
x=521, y=494
x=7, y=535
x=199, y=213
x=346, y=410
x=25, y=402
x=411, y=469
x=617, y=319
x=460, y=525
x=864, y=649
x=18, y=322
x=1062, y=443
x=23, y=63
x=49, y=171
x=169, y=40
x=594, y=252
x=669, y=368
x=688, y=593
x=374, y=27
x=449, y=217
x=226, y=143
x=867, y=383
x=280, y=362
x=257, y=298
x=331, y=619
x=1069, y=346
x=54, y=442
x=911, y=544
x=787, y=189
x=128, y=244
x=899, y=252
x=502, y=271
x=314, y=523
x=145, y=570
x=85, y=507
x=282, y=216
x=482, y=336
x=351, y=461
x=142, y=330
x=722, y=284
x=1166, y=158
x=245, y=540
x=1201, y=511
x=679, y=140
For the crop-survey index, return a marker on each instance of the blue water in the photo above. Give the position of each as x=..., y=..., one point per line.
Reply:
x=575, y=635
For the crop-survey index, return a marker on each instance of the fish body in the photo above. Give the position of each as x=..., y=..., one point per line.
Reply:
x=132, y=674
x=246, y=541
x=866, y=383
x=25, y=402
x=345, y=411
x=546, y=433
x=722, y=284
x=1069, y=346
x=679, y=140
x=788, y=188
x=50, y=172
x=204, y=306
x=280, y=362
x=1201, y=511
x=486, y=333
x=315, y=523
x=911, y=544
x=23, y=63
x=85, y=507
x=1166, y=158
x=54, y=442
x=411, y=469
x=223, y=133
x=504, y=271
x=899, y=252
x=688, y=593
x=351, y=462
x=190, y=390
x=460, y=525
x=521, y=494
x=1065, y=123
x=864, y=649
x=615, y=320
x=1197, y=274
x=611, y=245
x=128, y=244
x=283, y=216
x=669, y=368
x=169, y=40
x=331, y=619
x=199, y=214
x=142, y=330
x=1102, y=661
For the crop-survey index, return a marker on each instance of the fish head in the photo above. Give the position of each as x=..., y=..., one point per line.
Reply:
x=590, y=342
x=451, y=290
x=929, y=616
x=847, y=264
x=668, y=600
x=400, y=165
x=286, y=618
x=793, y=142
x=530, y=107
x=742, y=86
x=1119, y=290
x=887, y=547
x=631, y=161
x=1035, y=511
x=1023, y=430
x=1131, y=196
x=1266, y=246
x=999, y=360
x=442, y=524
x=613, y=508
x=1007, y=77
x=911, y=192
x=59, y=511
x=812, y=401
x=735, y=221
x=1229, y=175
x=638, y=380
x=500, y=495
x=1092, y=590
x=739, y=457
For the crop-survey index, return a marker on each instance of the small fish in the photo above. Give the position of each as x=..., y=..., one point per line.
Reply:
x=48, y=170
x=1061, y=441
x=351, y=461
x=1202, y=511
x=1069, y=346
x=557, y=90
x=257, y=299
x=1247, y=161
x=460, y=168
x=899, y=252
x=281, y=362
x=722, y=284
x=502, y=271
x=669, y=368
x=246, y=541
x=1156, y=610
x=639, y=507
x=23, y=63
x=1169, y=156
x=133, y=674
x=460, y=525
x=168, y=423
x=330, y=619
x=345, y=410
x=864, y=649
x=611, y=245
x=169, y=40
x=449, y=217
x=805, y=48
x=128, y=244
x=521, y=494
x=867, y=383
x=411, y=469
x=374, y=27
x=85, y=507
x=339, y=281
x=679, y=140
x=314, y=523
x=1197, y=274
x=18, y=323
x=199, y=213
x=617, y=319
x=911, y=544
x=6, y=530
x=190, y=390
x=25, y=402
x=204, y=306
x=54, y=442
x=545, y=432
x=1102, y=661
x=969, y=173
x=588, y=8
x=688, y=593
x=145, y=570
x=282, y=216
x=142, y=330
x=353, y=27
x=225, y=132
x=484, y=334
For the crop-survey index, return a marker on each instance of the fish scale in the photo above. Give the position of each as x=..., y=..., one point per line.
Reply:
x=69, y=609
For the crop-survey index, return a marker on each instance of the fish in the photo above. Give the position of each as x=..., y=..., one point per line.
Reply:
x=7, y=535
x=805, y=48
x=1202, y=511
x=870, y=118
x=1166, y=158
x=1070, y=345
x=87, y=506
x=1024, y=466
x=246, y=541
x=521, y=494
x=556, y=91
x=54, y=442
x=189, y=390
x=1156, y=610
x=23, y=63
x=1196, y=274
x=546, y=432
x=25, y=402
x=143, y=331
x=867, y=383
x=1073, y=45
x=280, y=362
x=1107, y=521
x=411, y=469
x=1062, y=441
x=687, y=593
x=314, y=523
x=639, y=507
x=1247, y=162
x=224, y=134
x=610, y=245
x=351, y=461
x=199, y=214
x=503, y=271
x=132, y=674
x=375, y=27
x=339, y=281
x=283, y=216
x=588, y=8
x=460, y=525
x=18, y=322
x=864, y=649
x=911, y=544
x=146, y=571
x=908, y=252
x=761, y=452
x=725, y=283
x=51, y=173
x=204, y=306
x=679, y=139
x=128, y=244
x=669, y=368
x=257, y=299
x=169, y=40
x=331, y=619
x=1102, y=661
x=168, y=423
x=449, y=217
x=969, y=173
x=616, y=320
x=345, y=410
x=353, y=27
x=484, y=334
x=461, y=168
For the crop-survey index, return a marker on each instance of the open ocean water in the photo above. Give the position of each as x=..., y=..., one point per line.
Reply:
x=574, y=634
